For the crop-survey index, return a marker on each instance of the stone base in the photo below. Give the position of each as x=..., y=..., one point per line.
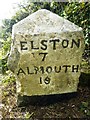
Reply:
x=43, y=100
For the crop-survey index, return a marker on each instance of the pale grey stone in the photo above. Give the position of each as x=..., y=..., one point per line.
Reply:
x=44, y=21
x=13, y=59
x=39, y=62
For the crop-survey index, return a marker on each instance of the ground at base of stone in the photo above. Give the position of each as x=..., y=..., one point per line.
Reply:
x=75, y=105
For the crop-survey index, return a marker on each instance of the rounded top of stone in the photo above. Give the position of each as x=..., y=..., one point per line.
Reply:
x=44, y=21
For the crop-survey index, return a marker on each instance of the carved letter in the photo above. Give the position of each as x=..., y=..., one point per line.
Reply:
x=66, y=67
x=65, y=43
x=49, y=69
x=21, y=71
x=57, y=71
x=23, y=43
x=36, y=69
x=76, y=43
x=32, y=46
x=75, y=68
x=54, y=43
x=44, y=47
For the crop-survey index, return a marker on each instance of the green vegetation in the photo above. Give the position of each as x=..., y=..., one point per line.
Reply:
x=84, y=107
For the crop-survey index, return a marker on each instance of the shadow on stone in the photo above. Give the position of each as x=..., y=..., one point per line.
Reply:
x=44, y=100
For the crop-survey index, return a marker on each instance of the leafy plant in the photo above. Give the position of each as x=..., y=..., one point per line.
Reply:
x=84, y=107
x=8, y=79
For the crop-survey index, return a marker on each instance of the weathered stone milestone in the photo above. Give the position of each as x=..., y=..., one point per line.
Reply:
x=46, y=53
